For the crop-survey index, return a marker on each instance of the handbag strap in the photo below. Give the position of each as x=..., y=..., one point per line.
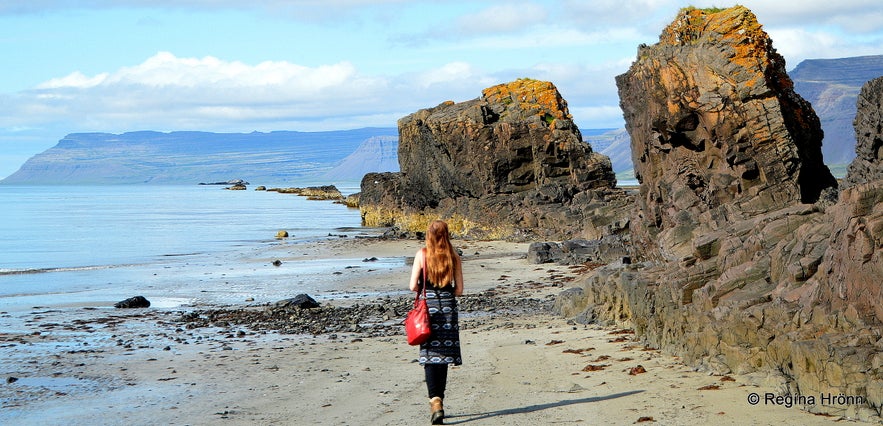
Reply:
x=417, y=296
x=425, y=283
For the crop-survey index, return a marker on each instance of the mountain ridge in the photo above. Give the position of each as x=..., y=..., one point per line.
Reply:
x=192, y=156
x=832, y=87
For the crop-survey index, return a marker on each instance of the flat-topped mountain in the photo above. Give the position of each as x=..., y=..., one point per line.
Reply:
x=832, y=87
x=194, y=157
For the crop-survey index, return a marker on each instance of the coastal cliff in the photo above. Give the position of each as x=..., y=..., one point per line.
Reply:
x=717, y=131
x=751, y=263
x=739, y=253
x=510, y=164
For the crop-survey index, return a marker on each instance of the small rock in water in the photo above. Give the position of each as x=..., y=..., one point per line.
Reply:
x=277, y=262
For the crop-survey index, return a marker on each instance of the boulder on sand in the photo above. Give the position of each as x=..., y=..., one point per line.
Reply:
x=301, y=301
x=133, y=302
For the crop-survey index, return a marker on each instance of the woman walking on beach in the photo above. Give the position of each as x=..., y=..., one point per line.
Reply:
x=444, y=273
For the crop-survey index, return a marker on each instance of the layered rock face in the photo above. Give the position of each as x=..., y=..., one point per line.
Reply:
x=510, y=162
x=718, y=133
x=868, y=164
x=851, y=270
x=746, y=263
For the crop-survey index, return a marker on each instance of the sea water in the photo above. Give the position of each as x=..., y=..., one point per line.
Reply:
x=95, y=245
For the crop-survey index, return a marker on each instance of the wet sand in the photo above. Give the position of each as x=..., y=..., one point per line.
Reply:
x=98, y=365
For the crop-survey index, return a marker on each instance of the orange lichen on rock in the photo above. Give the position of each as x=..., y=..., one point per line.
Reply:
x=526, y=94
x=736, y=27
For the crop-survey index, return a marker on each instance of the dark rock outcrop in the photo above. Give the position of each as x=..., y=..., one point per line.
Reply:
x=718, y=133
x=580, y=251
x=133, y=302
x=324, y=192
x=229, y=182
x=747, y=264
x=868, y=164
x=510, y=162
x=237, y=187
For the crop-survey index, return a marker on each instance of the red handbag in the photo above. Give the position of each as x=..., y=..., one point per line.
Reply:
x=417, y=322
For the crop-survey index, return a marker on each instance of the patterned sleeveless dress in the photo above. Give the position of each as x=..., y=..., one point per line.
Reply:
x=443, y=346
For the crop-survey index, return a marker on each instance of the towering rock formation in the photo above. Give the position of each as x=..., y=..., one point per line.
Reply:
x=850, y=274
x=747, y=264
x=868, y=164
x=718, y=133
x=510, y=162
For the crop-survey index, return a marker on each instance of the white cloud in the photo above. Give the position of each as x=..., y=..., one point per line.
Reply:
x=167, y=92
x=850, y=16
x=797, y=44
x=555, y=38
x=448, y=72
x=508, y=17
x=166, y=70
x=74, y=80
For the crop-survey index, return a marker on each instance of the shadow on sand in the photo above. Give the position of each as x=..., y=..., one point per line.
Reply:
x=464, y=418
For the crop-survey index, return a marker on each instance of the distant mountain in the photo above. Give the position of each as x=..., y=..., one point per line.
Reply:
x=614, y=143
x=193, y=157
x=376, y=154
x=832, y=87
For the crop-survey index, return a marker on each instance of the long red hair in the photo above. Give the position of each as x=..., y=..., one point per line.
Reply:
x=440, y=254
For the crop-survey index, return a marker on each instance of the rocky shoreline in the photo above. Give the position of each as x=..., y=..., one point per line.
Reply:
x=268, y=363
x=739, y=252
x=368, y=318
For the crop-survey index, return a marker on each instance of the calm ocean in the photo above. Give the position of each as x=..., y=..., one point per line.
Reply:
x=82, y=245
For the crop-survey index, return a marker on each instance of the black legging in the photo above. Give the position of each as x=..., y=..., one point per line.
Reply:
x=436, y=379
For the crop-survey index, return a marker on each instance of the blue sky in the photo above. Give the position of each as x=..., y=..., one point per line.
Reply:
x=262, y=65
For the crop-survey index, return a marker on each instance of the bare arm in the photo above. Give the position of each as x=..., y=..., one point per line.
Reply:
x=415, y=270
x=458, y=276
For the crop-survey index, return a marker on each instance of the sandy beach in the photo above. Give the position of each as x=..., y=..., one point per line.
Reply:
x=90, y=365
